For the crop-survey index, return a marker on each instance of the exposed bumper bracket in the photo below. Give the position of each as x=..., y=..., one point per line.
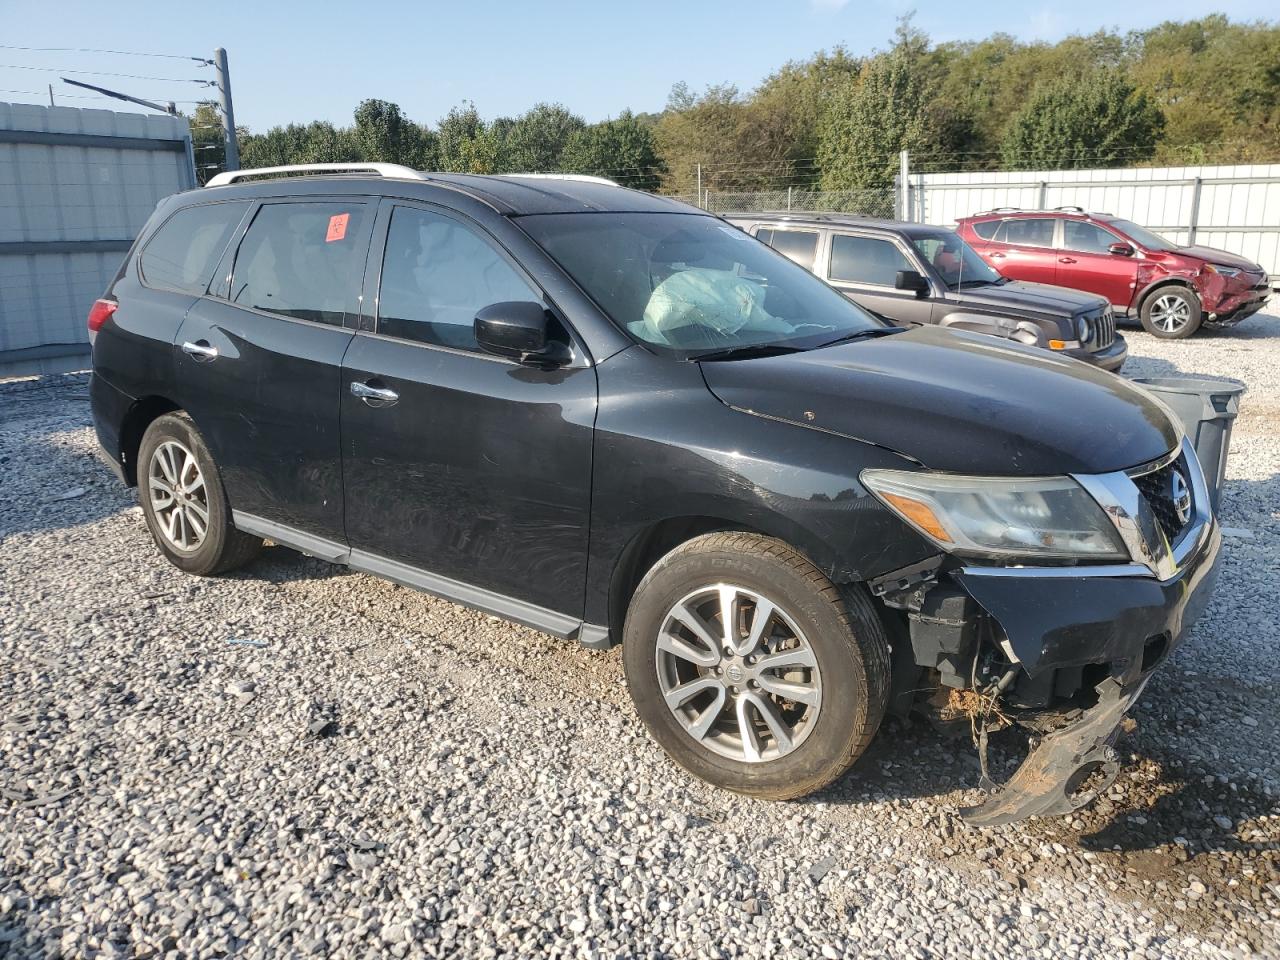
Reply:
x=1049, y=780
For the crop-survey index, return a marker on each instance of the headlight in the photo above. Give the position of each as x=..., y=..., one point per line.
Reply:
x=1049, y=517
x=1222, y=271
x=1082, y=328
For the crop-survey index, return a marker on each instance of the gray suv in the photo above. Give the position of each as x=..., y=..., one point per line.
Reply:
x=914, y=274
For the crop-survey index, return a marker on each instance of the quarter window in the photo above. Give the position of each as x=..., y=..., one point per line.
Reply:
x=798, y=245
x=303, y=260
x=987, y=229
x=1086, y=237
x=185, y=251
x=1037, y=232
x=437, y=275
x=866, y=260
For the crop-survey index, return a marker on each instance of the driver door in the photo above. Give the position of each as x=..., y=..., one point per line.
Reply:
x=864, y=269
x=470, y=466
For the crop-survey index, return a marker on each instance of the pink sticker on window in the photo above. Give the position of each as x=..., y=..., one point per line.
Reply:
x=337, y=227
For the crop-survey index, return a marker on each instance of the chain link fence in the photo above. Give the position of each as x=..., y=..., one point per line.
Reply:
x=880, y=203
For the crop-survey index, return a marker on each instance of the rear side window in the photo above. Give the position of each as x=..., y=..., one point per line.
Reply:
x=184, y=252
x=986, y=229
x=437, y=274
x=1085, y=237
x=799, y=245
x=866, y=260
x=302, y=260
x=1036, y=232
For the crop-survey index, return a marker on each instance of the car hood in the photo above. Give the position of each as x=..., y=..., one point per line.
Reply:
x=956, y=401
x=1212, y=255
x=1017, y=296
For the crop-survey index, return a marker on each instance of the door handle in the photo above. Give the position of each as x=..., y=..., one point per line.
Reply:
x=374, y=396
x=1066, y=259
x=201, y=350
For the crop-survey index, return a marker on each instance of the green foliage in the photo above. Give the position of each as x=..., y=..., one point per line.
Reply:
x=623, y=149
x=870, y=119
x=537, y=138
x=383, y=134
x=1099, y=121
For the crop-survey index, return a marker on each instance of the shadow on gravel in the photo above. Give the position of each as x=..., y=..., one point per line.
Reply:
x=277, y=564
x=51, y=485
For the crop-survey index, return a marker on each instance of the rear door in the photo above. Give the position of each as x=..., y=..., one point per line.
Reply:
x=1024, y=248
x=1085, y=262
x=259, y=361
x=470, y=466
x=865, y=267
x=798, y=245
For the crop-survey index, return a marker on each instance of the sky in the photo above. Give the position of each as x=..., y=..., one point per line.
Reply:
x=596, y=58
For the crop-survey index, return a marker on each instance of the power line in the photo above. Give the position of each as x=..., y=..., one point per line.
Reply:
x=105, y=73
x=123, y=53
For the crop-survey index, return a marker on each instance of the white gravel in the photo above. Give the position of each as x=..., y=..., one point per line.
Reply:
x=301, y=761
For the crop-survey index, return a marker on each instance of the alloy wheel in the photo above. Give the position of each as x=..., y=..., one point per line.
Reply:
x=179, y=497
x=1170, y=313
x=738, y=674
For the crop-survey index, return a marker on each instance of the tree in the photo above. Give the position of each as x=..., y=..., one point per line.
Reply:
x=537, y=138
x=383, y=134
x=870, y=120
x=623, y=149
x=465, y=144
x=1100, y=121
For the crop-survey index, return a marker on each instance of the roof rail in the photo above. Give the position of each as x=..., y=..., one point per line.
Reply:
x=393, y=170
x=1070, y=209
x=581, y=177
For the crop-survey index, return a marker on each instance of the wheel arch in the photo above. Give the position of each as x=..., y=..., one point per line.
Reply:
x=141, y=415
x=647, y=547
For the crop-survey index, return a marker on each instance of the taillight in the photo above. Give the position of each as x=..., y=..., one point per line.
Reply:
x=98, y=314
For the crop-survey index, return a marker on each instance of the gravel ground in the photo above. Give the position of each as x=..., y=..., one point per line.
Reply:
x=301, y=761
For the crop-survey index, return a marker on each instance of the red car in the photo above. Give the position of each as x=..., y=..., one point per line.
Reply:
x=1171, y=289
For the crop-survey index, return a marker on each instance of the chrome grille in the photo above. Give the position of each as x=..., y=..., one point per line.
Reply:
x=1104, y=330
x=1164, y=489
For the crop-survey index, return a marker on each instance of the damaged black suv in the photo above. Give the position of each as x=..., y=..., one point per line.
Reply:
x=615, y=418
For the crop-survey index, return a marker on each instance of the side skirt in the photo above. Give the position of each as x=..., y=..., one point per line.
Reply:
x=477, y=598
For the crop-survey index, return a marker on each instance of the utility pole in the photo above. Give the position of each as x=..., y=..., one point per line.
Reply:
x=228, y=114
x=904, y=174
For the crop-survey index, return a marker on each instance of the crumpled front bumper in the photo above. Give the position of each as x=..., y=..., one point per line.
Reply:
x=1056, y=619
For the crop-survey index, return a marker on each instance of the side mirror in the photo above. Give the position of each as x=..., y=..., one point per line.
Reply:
x=518, y=330
x=911, y=280
x=1121, y=249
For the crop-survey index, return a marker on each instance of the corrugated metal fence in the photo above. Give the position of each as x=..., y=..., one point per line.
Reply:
x=75, y=188
x=1234, y=208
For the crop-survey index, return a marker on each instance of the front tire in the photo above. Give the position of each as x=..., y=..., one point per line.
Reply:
x=180, y=489
x=784, y=701
x=1172, y=313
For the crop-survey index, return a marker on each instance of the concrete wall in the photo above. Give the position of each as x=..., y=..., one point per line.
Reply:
x=1234, y=208
x=75, y=188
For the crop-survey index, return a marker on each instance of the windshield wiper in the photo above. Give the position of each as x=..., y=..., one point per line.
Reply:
x=748, y=350
x=866, y=334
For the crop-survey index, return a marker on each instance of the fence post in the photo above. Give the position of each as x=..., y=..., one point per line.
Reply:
x=904, y=181
x=788, y=199
x=1195, y=212
x=1044, y=193
x=700, y=185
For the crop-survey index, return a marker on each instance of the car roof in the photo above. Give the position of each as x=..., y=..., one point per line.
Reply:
x=1007, y=213
x=819, y=220
x=510, y=195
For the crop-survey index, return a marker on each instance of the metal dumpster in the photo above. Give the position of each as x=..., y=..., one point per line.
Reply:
x=1207, y=409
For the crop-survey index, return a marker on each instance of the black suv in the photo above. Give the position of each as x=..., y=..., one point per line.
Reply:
x=615, y=418
x=913, y=274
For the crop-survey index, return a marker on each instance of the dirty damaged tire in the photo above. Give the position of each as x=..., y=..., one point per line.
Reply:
x=784, y=701
x=181, y=493
x=1171, y=313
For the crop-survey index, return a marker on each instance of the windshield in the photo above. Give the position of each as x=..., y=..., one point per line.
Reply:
x=1142, y=236
x=956, y=262
x=688, y=284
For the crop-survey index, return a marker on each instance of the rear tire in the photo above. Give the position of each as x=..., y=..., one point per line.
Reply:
x=180, y=489
x=1172, y=313
x=780, y=717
